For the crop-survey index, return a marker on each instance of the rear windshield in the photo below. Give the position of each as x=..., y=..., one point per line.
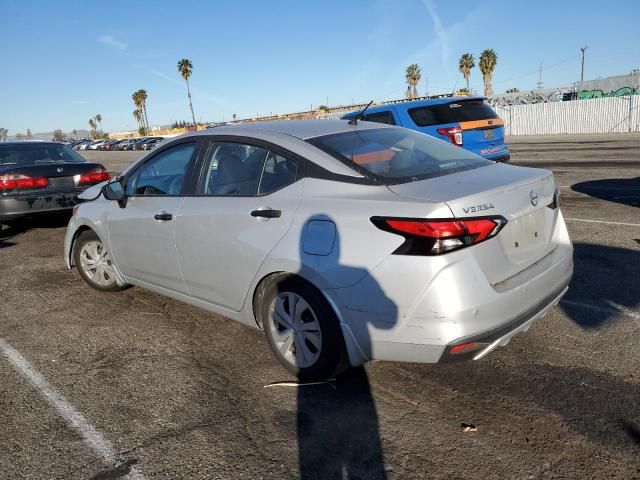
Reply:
x=34, y=153
x=456, y=112
x=397, y=154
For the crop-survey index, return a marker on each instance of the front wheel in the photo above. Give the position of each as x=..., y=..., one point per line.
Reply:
x=302, y=329
x=94, y=263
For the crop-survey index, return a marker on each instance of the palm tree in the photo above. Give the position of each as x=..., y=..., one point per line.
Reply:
x=92, y=124
x=98, y=118
x=185, y=68
x=143, y=99
x=137, y=114
x=75, y=134
x=465, y=64
x=139, y=98
x=413, y=77
x=487, y=64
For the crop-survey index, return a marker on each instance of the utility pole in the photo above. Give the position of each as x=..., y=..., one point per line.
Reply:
x=426, y=87
x=582, y=67
x=540, y=78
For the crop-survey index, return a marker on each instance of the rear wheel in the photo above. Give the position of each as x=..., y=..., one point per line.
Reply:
x=94, y=263
x=302, y=329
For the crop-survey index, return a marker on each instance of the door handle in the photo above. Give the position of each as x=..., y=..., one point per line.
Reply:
x=266, y=213
x=163, y=216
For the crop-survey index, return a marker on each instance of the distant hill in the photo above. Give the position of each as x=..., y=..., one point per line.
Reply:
x=49, y=135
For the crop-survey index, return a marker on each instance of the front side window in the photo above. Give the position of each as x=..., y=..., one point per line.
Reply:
x=397, y=155
x=37, y=153
x=164, y=173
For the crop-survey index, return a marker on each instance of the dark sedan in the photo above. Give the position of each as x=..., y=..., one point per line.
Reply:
x=38, y=177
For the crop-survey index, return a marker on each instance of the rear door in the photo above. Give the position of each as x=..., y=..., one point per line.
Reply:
x=482, y=129
x=142, y=234
x=246, y=200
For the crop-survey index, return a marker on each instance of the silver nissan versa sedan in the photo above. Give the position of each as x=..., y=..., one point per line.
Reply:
x=344, y=241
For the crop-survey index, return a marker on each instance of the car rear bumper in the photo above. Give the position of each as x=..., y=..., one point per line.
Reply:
x=499, y=155
x=21, y=205
x=480, y=345
x=417, y=309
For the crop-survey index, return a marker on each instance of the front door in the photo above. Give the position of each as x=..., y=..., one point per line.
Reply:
x=142, y=234
x=246, y=202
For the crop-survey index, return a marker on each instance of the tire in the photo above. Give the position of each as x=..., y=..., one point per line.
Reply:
x=313, y=348
x=93, y=263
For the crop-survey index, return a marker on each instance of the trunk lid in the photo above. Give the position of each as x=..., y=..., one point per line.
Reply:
x=60, y=175
x=518, y=194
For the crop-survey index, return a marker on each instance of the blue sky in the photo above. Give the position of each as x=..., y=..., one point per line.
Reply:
x=65, y=61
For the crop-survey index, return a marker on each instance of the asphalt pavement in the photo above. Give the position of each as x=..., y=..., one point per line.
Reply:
x=136, y=385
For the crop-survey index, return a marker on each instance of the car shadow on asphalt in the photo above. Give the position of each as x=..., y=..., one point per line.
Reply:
x=598, y=406
x=13, y=228
x=337, y=428
x=620, y=190
x=605, y=284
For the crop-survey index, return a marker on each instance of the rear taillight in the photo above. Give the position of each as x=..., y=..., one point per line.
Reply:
x=96, y=175
x=435, y=237
x=454, y=134
x=13, y=181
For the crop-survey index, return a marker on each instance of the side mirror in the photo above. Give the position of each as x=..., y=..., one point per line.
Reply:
x=114, y=191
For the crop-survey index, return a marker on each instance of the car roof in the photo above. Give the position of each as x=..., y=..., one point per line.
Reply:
x=302, y=129
x=417, y=103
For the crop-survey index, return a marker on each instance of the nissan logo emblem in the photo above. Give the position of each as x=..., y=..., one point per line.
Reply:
x=533, y=196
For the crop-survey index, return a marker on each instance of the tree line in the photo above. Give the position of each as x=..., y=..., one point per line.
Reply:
x=487, y=64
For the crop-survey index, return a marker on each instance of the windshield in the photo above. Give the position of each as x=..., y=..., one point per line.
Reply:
x=398, y=153
x=34, y=153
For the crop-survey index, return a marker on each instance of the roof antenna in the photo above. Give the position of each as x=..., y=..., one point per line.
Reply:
x=354, y=120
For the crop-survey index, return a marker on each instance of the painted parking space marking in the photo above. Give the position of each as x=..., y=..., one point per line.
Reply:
x=91, y=437
x=586, y=220
x=616, y=309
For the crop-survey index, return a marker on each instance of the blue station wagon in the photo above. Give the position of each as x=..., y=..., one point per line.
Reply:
x=467, y=122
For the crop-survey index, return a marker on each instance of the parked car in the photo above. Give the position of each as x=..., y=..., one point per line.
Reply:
x=149, y=143
x=137, y=145
x=129, y=144
x=345, y=243
x=96, y=144
x=82, y=145
x=467, y=122
x=38, y=177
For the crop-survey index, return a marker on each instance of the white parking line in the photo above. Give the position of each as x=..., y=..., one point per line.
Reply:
x=611, y=310
x=90, y=435
x=601, y=221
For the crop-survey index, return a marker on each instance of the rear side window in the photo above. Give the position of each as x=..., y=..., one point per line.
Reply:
x=278, y=172
x=34, y=153
x=233, y=169
x=456, y=112
x=380, y=117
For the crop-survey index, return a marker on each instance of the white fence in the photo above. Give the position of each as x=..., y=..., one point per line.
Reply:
x=597, y=115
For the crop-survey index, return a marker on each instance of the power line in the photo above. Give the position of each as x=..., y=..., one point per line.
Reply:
x=561, y=62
